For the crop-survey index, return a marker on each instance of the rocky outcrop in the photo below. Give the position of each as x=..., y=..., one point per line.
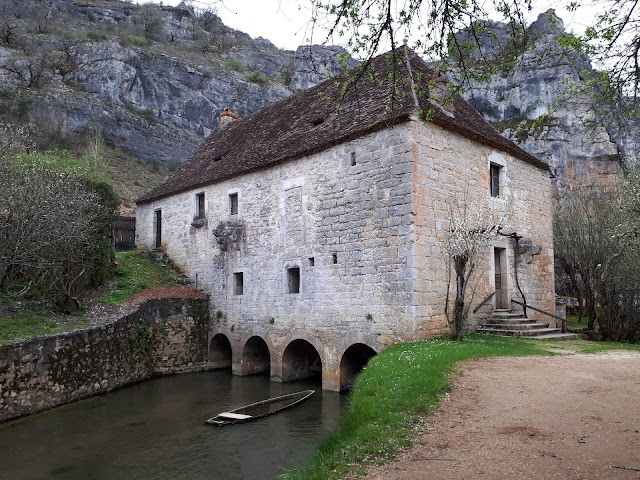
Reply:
x=152, y=79
x=539, y=100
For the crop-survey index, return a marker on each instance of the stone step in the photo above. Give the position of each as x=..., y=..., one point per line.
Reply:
x=507, y=314
x=510, y=321
x=537, y=332
x=516, y=326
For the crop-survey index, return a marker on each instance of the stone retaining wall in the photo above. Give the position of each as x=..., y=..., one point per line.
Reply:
x=163, y=336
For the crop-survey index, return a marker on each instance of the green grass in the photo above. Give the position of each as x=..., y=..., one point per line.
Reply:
x=576, y=325
x=22, y=327
x=134, y=273
x=393, y=394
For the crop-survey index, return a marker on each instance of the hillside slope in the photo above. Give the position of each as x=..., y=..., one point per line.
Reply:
x=151, y=79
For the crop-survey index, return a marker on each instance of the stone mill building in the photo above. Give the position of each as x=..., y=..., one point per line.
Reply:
x=313, y=224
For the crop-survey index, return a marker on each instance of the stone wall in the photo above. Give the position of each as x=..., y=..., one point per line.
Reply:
x=357, y=225
x=163, y=336
x=341, y=225
x=450, y=167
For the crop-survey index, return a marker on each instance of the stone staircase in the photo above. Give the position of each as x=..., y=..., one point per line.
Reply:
x=508, y=323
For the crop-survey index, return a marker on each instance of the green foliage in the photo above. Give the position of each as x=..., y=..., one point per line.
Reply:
x=524, y=128
x=394, y=392
x=149, y=19
x=235, y=64
x=138, y=41
x=149, y=117
x=257, y=77
x=135, y=272
x=22, y=327
x=94, y=36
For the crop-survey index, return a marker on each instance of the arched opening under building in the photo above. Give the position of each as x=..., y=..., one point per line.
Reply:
x=352, y=363
x=220, y=352
x=256, y=357
x=301, y=360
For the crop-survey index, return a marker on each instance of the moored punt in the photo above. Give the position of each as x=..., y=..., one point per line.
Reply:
x=260, y=409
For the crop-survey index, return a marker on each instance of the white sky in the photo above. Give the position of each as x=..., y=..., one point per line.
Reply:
x=285, y=22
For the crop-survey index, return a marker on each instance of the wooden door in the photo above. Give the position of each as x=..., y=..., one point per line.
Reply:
x=158, y=228
x=497, y=254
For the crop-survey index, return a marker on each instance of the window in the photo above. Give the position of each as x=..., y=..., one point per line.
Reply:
x=353, y=158
x=494, y=173
x=158, y=228
x=335, y=258
x=233, y=204
x=312, y=261
x=293, y=280
x=200, y=206
x=238, y=283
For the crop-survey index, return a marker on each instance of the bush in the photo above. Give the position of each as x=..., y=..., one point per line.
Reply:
x=150, y=20
x=257, y=77
x=235, y=65
x=138, y=41
x=56, y=225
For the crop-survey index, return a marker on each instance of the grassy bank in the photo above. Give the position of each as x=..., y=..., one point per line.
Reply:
x=134, y=273
x=24, y=318
x=22, y=327
x=393, y=393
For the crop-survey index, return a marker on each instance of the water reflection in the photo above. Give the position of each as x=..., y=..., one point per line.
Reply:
x=154, y=430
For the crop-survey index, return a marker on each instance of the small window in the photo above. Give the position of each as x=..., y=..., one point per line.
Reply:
x=293, y=280
x=238, y=283
x=233, y=204
x=494, y=172
x=200, y=205
x=312, y=261
x=335, y=258
x=353, y=158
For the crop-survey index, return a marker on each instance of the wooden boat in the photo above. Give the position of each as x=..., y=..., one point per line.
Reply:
x=260, y=409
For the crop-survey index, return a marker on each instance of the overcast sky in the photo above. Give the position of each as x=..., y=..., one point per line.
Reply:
x=285, y=22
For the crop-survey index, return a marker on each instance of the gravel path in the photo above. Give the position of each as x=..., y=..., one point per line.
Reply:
x=565, y=417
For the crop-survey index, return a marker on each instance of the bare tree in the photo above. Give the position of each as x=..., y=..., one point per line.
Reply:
x=472, y=226
x=55, y=223
x=597, y=250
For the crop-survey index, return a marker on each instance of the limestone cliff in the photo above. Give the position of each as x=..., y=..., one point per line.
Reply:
x=151, y=79
x=537, y=98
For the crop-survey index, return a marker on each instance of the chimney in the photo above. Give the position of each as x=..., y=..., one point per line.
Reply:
x=227, y=116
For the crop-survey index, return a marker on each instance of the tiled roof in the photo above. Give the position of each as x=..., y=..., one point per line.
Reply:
x=323, y=116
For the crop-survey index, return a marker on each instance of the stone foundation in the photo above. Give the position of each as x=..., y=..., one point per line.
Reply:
x=163, y=336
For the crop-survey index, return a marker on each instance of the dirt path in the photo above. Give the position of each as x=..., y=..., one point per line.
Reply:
x=564, y=417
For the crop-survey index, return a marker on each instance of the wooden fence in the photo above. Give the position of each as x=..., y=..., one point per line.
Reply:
x=124, y=232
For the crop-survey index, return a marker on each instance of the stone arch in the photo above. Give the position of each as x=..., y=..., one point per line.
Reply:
x=301, y=360
x=220, y=353
x=353, y=361
x=256, y=357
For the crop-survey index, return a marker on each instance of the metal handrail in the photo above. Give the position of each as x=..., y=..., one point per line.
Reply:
x=563, y=320
x=484, y=301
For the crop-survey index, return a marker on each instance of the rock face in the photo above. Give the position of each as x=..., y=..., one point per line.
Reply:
x=529, y=101
x=152, y=79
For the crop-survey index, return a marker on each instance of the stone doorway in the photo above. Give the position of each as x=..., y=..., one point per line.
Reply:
x=500, y=273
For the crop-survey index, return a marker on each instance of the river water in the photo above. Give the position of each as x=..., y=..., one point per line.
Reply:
x=154, y=430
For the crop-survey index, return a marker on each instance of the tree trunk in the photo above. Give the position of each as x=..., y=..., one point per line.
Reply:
x=459, y=319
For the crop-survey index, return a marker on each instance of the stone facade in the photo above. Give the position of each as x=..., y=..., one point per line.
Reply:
x=163, y=336
x=337, y=250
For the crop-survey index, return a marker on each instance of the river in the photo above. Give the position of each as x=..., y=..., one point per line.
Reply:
x=154, y=430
